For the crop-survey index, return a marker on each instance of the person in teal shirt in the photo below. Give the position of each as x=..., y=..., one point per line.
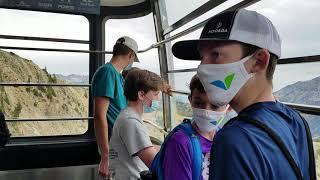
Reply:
x=109, y=99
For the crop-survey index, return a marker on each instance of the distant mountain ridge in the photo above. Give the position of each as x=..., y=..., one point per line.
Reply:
x=304, y=92
x=74, y=78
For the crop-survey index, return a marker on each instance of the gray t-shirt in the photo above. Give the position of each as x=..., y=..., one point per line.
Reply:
x=129, y=136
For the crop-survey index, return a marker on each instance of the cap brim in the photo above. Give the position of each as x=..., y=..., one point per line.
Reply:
x=188, y=50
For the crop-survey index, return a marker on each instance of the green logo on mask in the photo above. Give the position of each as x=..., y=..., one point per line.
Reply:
x=226, y=84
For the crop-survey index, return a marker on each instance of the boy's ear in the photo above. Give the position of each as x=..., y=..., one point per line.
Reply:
x=141, y=95
x=262, y=57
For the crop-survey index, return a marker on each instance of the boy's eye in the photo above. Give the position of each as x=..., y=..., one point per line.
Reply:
x=214, y=54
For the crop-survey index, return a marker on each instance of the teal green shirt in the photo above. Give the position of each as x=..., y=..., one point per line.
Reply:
x=108, y=82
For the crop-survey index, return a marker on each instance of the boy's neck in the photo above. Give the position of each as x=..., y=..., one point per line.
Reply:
x=136, y=106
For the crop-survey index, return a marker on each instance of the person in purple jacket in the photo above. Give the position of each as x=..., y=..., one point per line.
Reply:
x=177, y=159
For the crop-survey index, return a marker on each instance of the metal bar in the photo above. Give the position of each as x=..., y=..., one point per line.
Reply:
x=68, y=50
x=194, y=14
x=54, y=50
x=49, y=119
x=183, y=70
x=163, y=63
x=180, y=92
x=156, y=126
x=305, y=59
x=294, y=60
x=31, y=38
x=307, y=109
x=44, y=84
x=242, y=4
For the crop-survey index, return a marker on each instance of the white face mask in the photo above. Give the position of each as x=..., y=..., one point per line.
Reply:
x=207, y=120
x=223, y=81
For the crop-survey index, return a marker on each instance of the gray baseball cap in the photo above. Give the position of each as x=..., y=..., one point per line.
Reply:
x=130, y=43
x=241, y=25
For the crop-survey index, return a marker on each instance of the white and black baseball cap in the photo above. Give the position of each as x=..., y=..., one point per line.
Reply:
x=130, y=43
x=241, y=25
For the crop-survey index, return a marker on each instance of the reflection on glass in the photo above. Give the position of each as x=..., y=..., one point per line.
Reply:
x=298, y=83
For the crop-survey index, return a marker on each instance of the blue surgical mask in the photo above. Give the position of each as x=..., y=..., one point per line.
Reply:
x=155, y=104
x=128, y=67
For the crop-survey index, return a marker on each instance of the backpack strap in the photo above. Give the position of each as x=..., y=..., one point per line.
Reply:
x=277, y=140
x=312, y=165
x=196, y=150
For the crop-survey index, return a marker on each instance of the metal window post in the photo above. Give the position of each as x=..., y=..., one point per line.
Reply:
x=163, y=63
x=96, y=42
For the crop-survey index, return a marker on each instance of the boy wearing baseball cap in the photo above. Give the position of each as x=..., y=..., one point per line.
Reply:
x=238, y=51
x=107, y=91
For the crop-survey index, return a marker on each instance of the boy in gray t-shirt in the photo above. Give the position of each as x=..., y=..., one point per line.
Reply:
x=131, y=150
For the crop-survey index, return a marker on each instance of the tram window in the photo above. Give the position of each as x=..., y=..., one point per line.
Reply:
x=175, y=63
x=206, y=15
x=170, y=14
x=50, y=104
x=180, y=81
x=142, y=30
x=180, y=108
x=298, y=83
x=41, y=24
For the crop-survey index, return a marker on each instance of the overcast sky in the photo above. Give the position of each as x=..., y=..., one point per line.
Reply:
x=296, y=20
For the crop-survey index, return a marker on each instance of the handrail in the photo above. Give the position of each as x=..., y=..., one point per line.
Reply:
x=180, y=92
x=303, y=108
x=33, y=38
x=156, y=126
x=307, y=109
x=68, y=50
x=54, y=50
x=48, y=119
x=183, y=70
x=44, y=84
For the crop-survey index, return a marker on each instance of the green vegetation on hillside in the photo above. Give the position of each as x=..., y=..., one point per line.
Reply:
x=39, y=101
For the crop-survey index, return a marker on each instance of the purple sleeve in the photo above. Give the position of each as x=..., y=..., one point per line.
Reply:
x=177, y=160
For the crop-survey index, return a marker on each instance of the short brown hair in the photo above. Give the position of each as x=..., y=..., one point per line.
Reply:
x=121, y=49
x=141, y=80
x=195, y=83
x=249, y=49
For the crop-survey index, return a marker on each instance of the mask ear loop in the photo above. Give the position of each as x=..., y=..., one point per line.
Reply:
x=227, y=108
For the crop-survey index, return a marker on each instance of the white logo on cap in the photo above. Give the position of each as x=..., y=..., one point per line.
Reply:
x=218, y=29
x=219, y=25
